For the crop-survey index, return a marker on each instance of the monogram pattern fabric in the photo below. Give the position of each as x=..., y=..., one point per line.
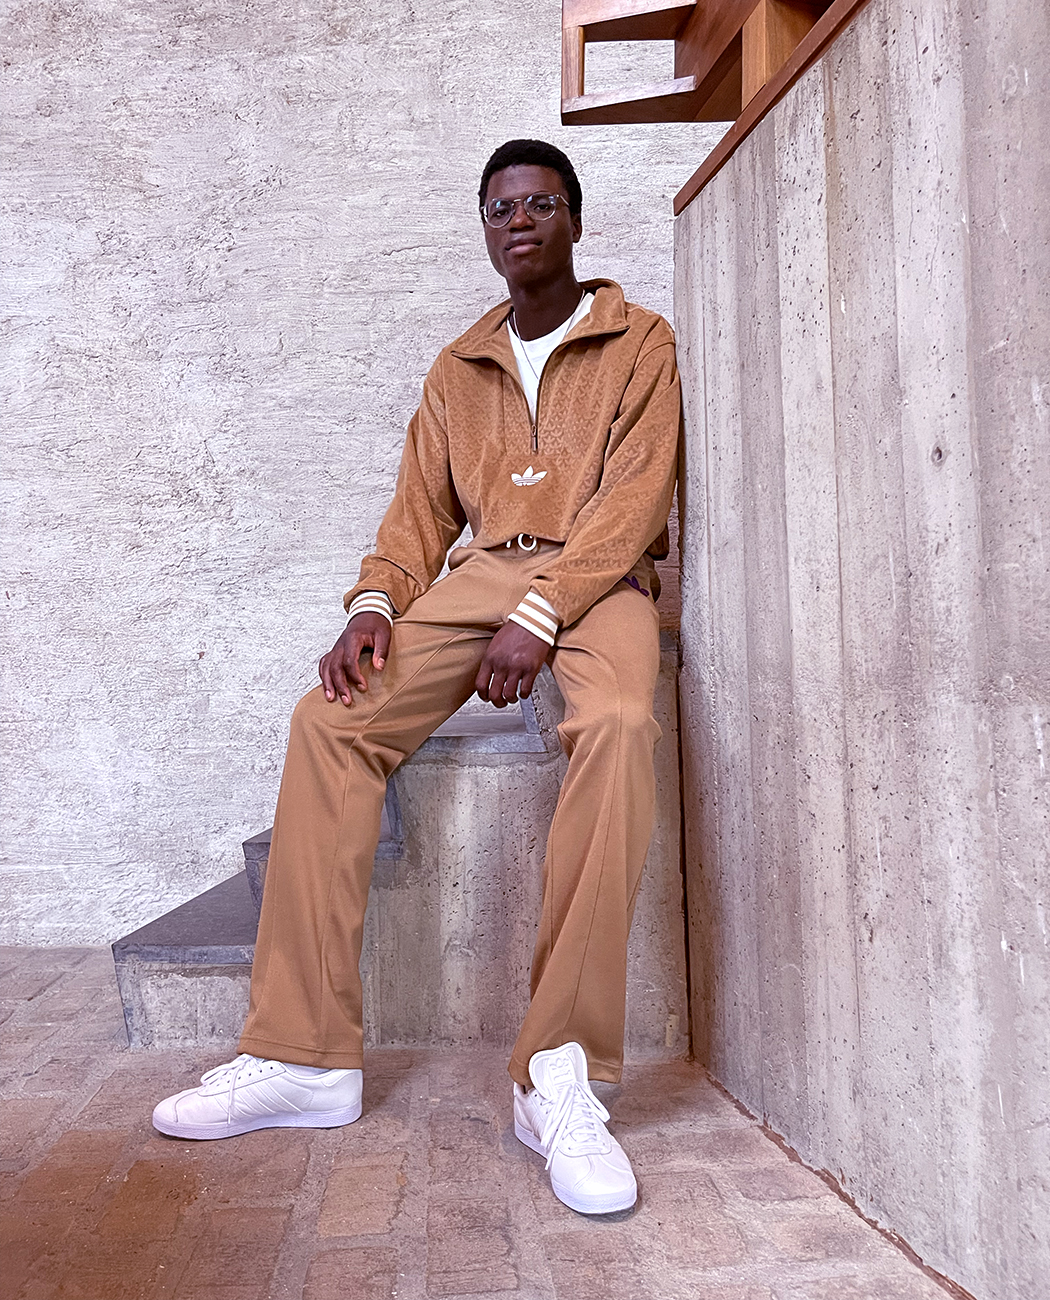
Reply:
x=601, y=477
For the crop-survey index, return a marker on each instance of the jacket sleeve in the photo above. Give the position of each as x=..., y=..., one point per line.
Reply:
x=424, y=518
x=630, y=509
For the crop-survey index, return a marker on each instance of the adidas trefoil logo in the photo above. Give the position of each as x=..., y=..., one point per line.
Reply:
x=528, y=479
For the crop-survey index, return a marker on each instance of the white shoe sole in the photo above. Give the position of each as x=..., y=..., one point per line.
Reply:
x=307, y=1119
x=609, y=1203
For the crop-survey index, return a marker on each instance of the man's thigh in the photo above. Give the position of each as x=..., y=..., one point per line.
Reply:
x=478, y=592
x=436, y=649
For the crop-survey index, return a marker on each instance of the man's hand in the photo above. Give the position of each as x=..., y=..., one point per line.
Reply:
x=511, y=665
x=340, y=668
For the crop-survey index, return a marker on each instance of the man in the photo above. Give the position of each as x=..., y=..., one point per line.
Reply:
x=551, y=427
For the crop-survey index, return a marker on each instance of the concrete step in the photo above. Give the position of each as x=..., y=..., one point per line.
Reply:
x=183, y=978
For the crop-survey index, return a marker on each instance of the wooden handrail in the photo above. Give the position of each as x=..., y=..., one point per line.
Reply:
x=734, y=59
x=804, y=55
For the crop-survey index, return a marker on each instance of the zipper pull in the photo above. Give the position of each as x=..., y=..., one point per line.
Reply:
x=535, y=438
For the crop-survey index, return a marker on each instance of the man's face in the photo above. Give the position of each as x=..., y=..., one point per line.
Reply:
x=526, y=251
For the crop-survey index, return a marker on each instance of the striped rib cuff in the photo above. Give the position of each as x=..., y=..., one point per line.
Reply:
x=537, y=616
x=372, y=602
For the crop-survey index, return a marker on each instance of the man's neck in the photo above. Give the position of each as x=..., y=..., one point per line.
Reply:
x=538, y=309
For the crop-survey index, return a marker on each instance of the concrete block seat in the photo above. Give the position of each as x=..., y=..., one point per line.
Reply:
x=453, y=905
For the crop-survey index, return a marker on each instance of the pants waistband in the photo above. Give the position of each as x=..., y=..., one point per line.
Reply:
x=525, y=544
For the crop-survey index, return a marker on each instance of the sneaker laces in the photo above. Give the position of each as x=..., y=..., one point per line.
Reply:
x=243, y=1065
x=576, y=1114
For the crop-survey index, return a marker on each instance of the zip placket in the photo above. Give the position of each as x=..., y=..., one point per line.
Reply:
x=512, y=371
x=535, y=442
x=534, y=424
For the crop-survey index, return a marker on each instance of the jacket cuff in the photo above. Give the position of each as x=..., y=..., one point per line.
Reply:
x=372, y=602
x=537, y=616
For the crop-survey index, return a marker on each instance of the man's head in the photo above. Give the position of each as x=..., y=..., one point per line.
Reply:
x=535, y=242
x=534, y=153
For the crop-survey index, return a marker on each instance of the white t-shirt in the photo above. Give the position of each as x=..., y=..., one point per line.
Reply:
x=531, y=354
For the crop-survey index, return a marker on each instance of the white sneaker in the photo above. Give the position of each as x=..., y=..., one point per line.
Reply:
x=249, y=1093
x=562, y=1119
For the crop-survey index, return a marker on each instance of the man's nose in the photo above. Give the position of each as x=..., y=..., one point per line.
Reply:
x=520, y=219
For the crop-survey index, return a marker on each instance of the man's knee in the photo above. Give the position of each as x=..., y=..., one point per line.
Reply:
x=310, y=709
x=610, y=719
x=328, y=726
x=316, y=716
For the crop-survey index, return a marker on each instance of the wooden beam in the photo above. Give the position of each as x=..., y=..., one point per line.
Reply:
x=664, y=101
x=715, y=99
x=771, y=34
x=615, y=20
x=719, y=99
x=631, y=23
x=806, y=53
x=583, y=12
x=707, y=79
x=714, y=24
x=572, y=64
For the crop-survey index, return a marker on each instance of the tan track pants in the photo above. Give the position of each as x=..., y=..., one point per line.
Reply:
x=306, y=995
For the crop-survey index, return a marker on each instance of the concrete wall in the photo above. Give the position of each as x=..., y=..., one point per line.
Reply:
x=234, y=237
x=863, y=306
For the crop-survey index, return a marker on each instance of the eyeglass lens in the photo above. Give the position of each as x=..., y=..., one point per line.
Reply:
x=541, y=207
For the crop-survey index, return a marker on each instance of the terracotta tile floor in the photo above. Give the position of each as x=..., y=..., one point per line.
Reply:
x=428, y=1195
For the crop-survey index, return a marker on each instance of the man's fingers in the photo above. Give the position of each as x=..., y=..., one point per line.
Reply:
x=339, y=682
x=511, y=666
x=351, y=661
x=512, y=685
x=380, y=647
x=497, y=687
x=324, y=669
x=340, y=669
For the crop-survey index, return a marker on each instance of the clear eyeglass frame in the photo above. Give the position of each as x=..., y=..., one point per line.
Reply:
x=498, y=213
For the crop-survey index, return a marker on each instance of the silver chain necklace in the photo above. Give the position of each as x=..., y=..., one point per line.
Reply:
x=524, y=345
x=524, y=348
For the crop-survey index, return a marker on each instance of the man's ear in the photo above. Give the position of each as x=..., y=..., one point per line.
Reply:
x=577, y=229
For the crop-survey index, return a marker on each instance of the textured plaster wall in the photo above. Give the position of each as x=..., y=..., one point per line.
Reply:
x=234, y=236
x=863, y=303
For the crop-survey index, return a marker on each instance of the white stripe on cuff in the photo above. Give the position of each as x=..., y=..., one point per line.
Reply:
x=537, y=609
x=538, y=616
x=372, y=602
x=515, y=617
x=543, y=604
x=528, y=612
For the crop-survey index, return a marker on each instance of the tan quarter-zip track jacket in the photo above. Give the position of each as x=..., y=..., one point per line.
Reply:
x=602, y=454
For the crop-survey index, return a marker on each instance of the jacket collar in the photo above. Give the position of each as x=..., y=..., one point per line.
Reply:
x=488, y=340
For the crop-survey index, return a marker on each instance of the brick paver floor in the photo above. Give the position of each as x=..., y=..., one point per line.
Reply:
x=427, y=1195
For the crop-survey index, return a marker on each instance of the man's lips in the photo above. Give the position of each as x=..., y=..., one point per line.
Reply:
x=522, y=243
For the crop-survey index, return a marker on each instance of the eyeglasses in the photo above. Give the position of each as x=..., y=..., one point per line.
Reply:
x=540, y=207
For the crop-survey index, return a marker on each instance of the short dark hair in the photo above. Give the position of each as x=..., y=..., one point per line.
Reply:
x=533, y=153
